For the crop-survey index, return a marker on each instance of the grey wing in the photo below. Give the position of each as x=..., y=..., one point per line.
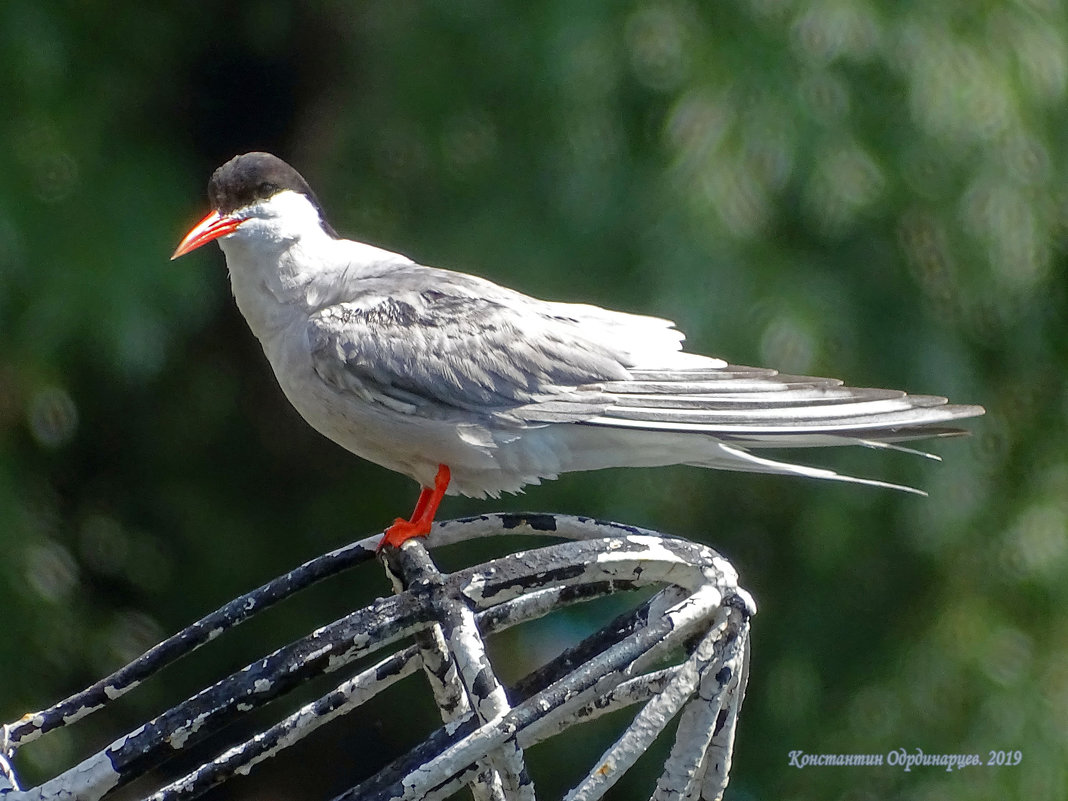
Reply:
x=756, y=407
x=440, y=354
x=521, y=362
x=470, y=347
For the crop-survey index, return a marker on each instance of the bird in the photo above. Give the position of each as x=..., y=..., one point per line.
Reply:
x=472, y=388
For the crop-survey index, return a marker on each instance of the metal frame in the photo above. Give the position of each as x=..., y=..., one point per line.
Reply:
x=700, y=611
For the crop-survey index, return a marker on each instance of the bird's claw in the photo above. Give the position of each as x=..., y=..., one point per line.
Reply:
x=402, y=530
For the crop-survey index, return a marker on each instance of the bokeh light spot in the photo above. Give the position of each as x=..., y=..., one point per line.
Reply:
x=51, y=571
x=1008, y=656
x=1037, y=543
x=130, y=634
x=657, y=40
x=788, y=344
x=53, y=417
x=825, y=30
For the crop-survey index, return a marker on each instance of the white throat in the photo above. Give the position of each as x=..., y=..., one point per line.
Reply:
x=284, y=265
x=279, y=253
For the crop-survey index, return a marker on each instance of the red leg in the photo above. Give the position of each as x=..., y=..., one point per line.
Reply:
x=423, y=516
x=425, y=494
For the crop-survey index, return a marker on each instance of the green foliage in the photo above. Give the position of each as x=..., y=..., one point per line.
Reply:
x=873, y=190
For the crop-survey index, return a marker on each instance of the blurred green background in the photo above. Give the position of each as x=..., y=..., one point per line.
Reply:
x=869, y=190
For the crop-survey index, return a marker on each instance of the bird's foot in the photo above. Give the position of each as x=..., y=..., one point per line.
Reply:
x=423, y=516
x=402, y=530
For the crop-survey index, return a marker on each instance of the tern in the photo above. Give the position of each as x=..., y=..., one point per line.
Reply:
x=471, y=388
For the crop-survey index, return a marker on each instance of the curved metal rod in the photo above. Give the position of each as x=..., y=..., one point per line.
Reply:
x=449, y=615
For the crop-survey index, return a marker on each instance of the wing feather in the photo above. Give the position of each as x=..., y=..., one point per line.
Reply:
x=447, y=346
x=441, y=353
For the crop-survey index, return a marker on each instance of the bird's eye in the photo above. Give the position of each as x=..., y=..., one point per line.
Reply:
x=266, y=189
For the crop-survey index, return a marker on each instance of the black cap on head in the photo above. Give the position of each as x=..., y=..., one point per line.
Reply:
x=245, y=179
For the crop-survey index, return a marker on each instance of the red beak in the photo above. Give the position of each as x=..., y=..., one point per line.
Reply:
x=211, y=227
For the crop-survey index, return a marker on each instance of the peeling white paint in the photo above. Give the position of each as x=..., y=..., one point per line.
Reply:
x=115, y=692
x=80, y=713
x=87, y=781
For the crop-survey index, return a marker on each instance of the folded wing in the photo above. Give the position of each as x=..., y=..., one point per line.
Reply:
x=494, y=357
